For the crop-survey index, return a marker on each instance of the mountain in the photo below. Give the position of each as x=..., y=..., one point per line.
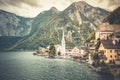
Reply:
x=114, y=17
x=13, y=25
x=43, y=18
x=33, y=40
x=77, y=21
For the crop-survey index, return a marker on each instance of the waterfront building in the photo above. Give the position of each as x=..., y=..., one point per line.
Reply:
x=109, y=36
x=111, y=50
x=73, y=52
x=105, y=30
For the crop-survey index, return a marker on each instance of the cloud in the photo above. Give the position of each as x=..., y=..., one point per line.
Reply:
x=31, y=8
x=100, y=1
x=27, y=8
x=18, y=3
x=114, y=3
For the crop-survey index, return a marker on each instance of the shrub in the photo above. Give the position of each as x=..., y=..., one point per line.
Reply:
x=98, y=69
x=117, y=76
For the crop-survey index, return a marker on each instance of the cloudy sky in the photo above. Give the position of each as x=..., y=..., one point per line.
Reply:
x=31, y=8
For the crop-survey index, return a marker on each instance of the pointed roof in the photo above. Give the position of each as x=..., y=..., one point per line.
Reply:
x=63, y=39
x=63, y=35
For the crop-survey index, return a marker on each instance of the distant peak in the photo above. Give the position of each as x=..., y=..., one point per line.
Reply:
x=81, y=2
x=54, y=9
x=80, y=5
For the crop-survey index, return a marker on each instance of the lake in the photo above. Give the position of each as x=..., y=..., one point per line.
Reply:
x=26, y=66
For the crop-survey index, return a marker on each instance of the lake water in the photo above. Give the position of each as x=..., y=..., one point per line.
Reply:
x=25, y=66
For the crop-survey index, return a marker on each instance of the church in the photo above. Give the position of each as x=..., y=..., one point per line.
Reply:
x=63, y=51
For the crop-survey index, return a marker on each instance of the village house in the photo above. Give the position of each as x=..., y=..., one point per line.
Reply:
x=111, y=50
x=109, y=36
x=73, y=52
x=83, y=51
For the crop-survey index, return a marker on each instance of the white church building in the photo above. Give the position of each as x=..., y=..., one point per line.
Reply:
x=63, y=51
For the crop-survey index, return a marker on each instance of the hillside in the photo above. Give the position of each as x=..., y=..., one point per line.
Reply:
x=114, y=17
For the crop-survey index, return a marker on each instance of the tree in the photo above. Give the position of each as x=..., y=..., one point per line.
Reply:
x=104, y=67
x=97, y=44
x=96, y=59
x=52, y=50
x=59, y=53
x=90, y=37
x=117, y=75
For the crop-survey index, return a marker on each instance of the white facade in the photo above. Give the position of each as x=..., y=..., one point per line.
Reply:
x=102, y=34
x=63, y=45
x=105, y=30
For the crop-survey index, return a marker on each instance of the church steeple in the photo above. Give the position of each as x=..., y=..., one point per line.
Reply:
x=63, y=43
x=63, y=39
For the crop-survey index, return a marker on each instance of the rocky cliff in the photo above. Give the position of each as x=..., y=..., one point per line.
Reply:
x=13, y=25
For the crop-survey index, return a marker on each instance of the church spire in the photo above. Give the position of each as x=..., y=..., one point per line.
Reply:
x=63, y=39
x=63, y=43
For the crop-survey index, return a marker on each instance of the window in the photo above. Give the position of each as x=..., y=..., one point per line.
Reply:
x=111, y=56
x=110, y=51
x=115, y=56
